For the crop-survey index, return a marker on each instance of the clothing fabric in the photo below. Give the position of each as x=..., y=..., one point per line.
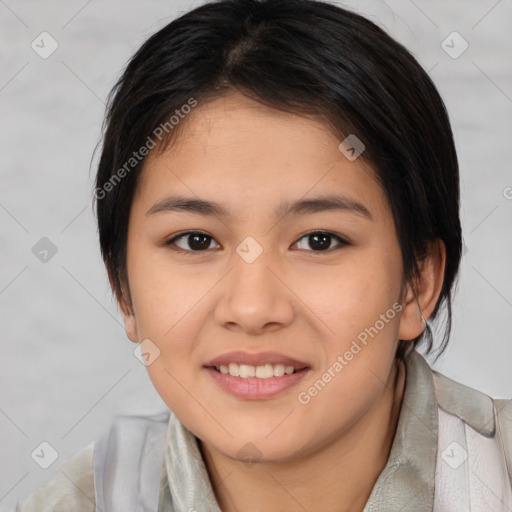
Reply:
x=452, y=452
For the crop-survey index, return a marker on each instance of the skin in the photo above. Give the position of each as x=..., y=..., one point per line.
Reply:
x=294, y=298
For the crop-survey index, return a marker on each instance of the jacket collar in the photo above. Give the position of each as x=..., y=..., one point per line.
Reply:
x=470, y=405
x=407, y=480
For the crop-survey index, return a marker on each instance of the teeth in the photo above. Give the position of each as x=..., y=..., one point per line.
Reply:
x=261, y=372
x=279, y=369
x=246, y=371
x=234, y=369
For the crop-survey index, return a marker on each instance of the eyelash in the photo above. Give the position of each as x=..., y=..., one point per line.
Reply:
x=341, y=240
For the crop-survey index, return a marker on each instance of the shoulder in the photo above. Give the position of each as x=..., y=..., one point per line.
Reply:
x=489, y=416
x=71, y=488
x=474, y=407
x=131, y=440
x=504, y=410
x=470, y=405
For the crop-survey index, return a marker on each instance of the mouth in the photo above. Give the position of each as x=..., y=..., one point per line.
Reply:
x=249, y=364
x=255, y=386
x=266, y=371
x=250, y=375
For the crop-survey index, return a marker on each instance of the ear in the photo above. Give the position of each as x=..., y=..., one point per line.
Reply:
x=424, y=293
x=130, y=323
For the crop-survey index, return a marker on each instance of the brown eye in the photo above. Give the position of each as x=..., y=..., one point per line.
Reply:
x=320, y=241
x=193, y=241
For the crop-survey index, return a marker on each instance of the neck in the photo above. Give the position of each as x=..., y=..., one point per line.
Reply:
x=337, y=478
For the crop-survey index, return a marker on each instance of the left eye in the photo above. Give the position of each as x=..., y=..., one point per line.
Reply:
x=199, y=242
x=321, y=239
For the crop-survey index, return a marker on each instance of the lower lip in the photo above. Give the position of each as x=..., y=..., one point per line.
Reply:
x=253, y=387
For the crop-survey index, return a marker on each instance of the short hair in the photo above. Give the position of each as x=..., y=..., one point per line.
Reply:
x=300, y=56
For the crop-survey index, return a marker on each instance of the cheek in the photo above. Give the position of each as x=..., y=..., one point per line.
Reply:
x=363, y=318
x=361, y=311
x=353, y=294
x=166, y=297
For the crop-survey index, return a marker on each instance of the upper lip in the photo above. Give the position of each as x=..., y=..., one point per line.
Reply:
x=256, y=359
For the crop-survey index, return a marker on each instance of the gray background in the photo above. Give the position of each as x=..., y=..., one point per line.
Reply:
x=66, y=365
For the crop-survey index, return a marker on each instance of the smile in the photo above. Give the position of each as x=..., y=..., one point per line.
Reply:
x=253, y=387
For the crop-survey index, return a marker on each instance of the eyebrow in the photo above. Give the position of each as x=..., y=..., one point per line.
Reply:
x=298, y=207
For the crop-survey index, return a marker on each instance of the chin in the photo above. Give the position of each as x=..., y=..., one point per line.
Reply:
x=256, y=447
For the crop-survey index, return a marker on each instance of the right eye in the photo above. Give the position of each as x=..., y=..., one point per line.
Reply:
x=196, y=240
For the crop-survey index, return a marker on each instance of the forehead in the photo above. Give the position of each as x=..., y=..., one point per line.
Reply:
x=237, y=151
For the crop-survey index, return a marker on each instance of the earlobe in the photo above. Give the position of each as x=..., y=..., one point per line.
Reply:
x=131, y=328
x=421, y=298
x=411, y=325
x=130, y=323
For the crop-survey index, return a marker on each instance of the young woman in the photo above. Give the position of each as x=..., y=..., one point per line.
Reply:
x=278, y=210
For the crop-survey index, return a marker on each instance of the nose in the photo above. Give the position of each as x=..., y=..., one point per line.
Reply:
x=255, y=298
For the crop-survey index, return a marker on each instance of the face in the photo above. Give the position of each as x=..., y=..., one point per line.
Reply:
x=318, y=284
